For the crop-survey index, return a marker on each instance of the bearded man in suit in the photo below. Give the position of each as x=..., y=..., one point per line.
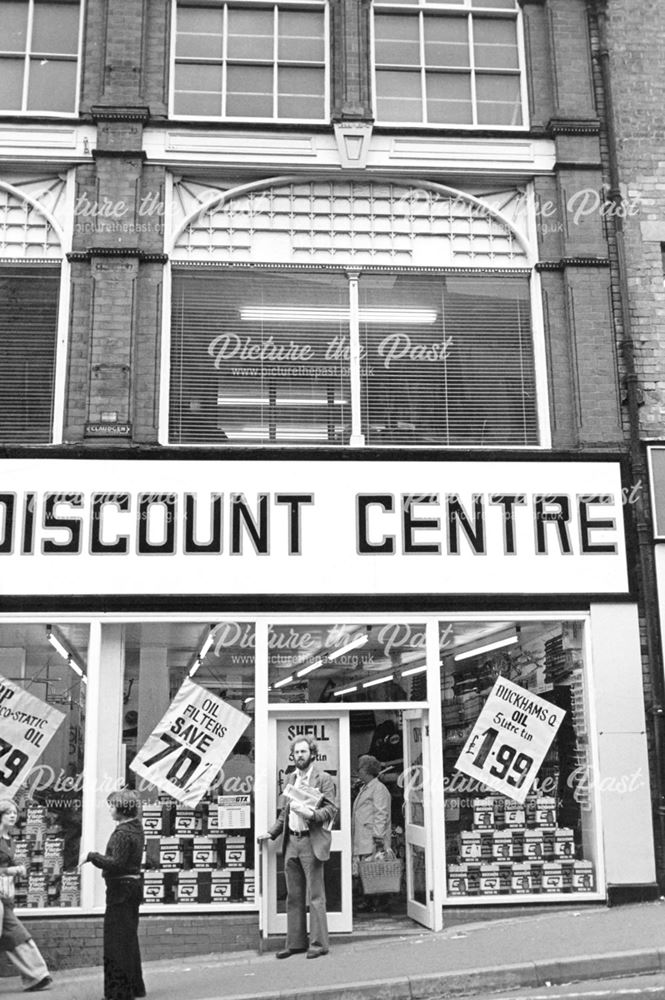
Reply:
x=304, y=838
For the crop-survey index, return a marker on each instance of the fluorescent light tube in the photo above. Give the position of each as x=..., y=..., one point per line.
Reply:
x=308, y=669
x=58, y=646
x=284, y=680
x=206, y=644
x=413, y=670
x=377, y=680
x=360, y=641
x=335, y=314
x=345, y=691
x=486, y=649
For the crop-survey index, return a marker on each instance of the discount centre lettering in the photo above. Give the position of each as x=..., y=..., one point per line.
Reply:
x=210, y=523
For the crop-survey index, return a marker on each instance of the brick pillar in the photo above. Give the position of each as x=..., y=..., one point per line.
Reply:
x=351, y=60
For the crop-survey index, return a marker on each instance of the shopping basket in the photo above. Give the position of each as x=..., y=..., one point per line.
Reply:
x=382, y=872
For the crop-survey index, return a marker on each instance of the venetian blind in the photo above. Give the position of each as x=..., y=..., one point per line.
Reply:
x=447, y=360
x=260, y=357
x=28, y=325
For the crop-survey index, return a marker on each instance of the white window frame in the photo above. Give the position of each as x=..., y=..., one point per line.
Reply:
x=420, y=10
x=27, y=55
x=276, y=5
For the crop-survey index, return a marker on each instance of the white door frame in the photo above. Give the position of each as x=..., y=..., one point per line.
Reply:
x=339, y=922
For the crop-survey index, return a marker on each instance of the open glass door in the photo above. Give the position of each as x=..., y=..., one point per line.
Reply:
x=331, y=733
x=420, y=904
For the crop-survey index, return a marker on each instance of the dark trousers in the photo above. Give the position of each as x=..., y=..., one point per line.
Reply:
x=304, y=885
x=123, y=977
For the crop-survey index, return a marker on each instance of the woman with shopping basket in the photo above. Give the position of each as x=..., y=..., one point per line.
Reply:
x=370, y=829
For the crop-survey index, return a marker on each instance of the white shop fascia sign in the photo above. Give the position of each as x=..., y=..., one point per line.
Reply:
x=311, y=527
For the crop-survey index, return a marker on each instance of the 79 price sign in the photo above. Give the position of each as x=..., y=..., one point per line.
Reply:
x=507, y=745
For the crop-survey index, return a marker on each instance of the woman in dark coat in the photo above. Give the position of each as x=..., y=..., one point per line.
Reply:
x=15, y=941
x=121, y=870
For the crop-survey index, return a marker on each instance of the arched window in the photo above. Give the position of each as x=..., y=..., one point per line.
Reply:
x=330, y=312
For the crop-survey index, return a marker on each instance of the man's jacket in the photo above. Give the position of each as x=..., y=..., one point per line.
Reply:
x=323, y=816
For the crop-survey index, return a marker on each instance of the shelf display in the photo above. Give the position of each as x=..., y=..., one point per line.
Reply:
x=496, y=846
x=189, y=858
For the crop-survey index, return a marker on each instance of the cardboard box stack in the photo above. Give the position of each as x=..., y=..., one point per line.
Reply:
x=190, y=857
x=516, y=849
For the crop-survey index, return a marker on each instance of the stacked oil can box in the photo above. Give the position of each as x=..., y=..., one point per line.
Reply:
x=517, y=850
x=190, y=857
x=41, y=848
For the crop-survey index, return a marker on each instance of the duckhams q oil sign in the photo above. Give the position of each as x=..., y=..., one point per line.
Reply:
x=508, y=743
x=245, y=527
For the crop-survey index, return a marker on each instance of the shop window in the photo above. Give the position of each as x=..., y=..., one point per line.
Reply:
x=251, y=60
x=203, y=854
x=495, y=845
x=451, y=63
x=269, y=357
x=49, y=664
x=39, y=53
x=28, y=329
x=347, y=663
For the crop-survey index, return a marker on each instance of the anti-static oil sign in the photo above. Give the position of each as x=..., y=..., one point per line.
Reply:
x=278, y=527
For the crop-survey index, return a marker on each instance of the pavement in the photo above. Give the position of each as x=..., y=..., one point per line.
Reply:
x=538, y=949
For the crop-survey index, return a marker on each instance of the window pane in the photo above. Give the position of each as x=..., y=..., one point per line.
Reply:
x=446, y=41
x=199, y=33
x=52, y=85
x=260, y=357
x=11, y=83
x=198, y=105
x=448, y=361
x=499, y=99
x=28, y=325
x=202, y=78
x=48, y=831
x=187, y=849
x=301, y=36
x=55, y=28
x=495, y=4
x=339, y=663
x=249, y=92
x=300, y=93
x=396, y=40
x=398, y=96
x=495, y=44
x=449, y=98
x=14, y=26
x=492, y=840
x=250, y=34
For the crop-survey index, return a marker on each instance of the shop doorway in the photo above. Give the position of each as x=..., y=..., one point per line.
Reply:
x=398, y=738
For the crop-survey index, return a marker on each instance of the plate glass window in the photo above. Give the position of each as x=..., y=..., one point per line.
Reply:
x=249, y=60
x=39, y=53
x=453, y=63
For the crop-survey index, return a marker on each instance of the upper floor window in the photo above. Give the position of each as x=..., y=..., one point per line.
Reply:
x=351, y=313
x=39, y=56
x=248, y=59
x=448, y=62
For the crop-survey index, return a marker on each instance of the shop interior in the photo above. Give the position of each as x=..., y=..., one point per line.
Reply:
x=494, y=848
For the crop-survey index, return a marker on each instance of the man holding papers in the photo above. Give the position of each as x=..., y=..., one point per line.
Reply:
x=303, y=825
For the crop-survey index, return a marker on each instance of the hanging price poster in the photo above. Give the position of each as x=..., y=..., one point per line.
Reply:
x=509, y=741
x=187, y=748
x=27, y=726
